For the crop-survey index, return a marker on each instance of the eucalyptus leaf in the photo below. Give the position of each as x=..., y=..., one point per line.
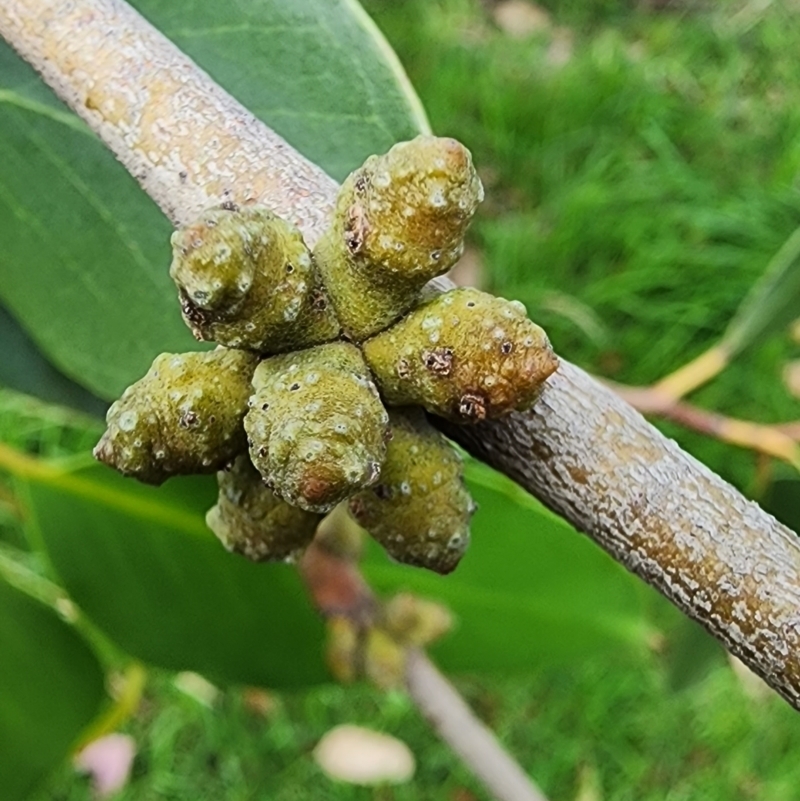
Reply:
x=772, y=303
x=51, y=686
x=142, y=565
x=25, y=369
x=85, y=257
x=783, y=501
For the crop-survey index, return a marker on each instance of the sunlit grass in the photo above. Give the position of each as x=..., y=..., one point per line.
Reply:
x=646, y=182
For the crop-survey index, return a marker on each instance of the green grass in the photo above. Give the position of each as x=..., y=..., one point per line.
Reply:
x=633, y=196
x=618, y=726
x=635, y=193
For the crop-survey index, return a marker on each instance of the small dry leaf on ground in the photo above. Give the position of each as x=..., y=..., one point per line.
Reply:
x=360, y=756
x=196, y=686
x=108, y=760
x=520, y=19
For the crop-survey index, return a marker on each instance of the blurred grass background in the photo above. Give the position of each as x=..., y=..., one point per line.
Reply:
x=641, y=165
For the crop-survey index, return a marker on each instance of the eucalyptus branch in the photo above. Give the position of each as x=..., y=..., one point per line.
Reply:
x=582, y=450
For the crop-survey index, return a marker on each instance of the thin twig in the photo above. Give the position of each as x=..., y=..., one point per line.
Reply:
x=456, y=724
x=338, y=589
x=772, y=440
x=697, y=372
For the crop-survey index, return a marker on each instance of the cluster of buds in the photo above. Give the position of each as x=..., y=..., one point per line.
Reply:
x=326, y=361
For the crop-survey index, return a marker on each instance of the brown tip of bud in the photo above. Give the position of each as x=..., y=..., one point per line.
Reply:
x=318, y=490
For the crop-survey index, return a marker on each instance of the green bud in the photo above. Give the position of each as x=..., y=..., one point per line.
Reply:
x=464, y=355
x=251, y=520
x=415, y=621
x=246, y=280
x=357, y=651
x=316, y=426
x=400, y=220
x=420, y=510
x=184, y=416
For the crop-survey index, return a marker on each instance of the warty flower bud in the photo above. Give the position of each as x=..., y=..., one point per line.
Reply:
x=246, y=280
x=464, y=355
x=316, y=427
x=184, y=416
x=400, y=220
x=251, y=520
x=420, y=509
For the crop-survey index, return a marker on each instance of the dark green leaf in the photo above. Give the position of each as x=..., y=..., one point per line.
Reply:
x=142, y=565
x=317, y=71
x=783, y=501
x=85, y=252
x=51, y=686
x=25, y=369
x=530, y=590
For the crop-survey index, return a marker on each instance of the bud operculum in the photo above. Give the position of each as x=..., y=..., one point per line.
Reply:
x=246, y=280
x=464, y=355
x=420, y=509
x=251, y=520
x=316, y=427
x=184, y=416
x=400, y=220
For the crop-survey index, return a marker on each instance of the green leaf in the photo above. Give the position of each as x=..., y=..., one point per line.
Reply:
x=529, y=591
x=771, y=304
x=25, y=369
x=316, y=71
x=141, y=564
x=783, y=501
x=51, y=686
x=85, y=252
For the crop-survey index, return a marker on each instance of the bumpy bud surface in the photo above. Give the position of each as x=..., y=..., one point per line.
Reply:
x=378, y=650
x=420, y=510
x=464, y=355
x=400, y=221
x=251, y=520
x=246, y=280
x=368, y=652
x=316, y=426
x=184, y=416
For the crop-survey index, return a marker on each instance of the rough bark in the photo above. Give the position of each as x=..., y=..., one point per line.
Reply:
x=582, y=451
x=186, y=141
